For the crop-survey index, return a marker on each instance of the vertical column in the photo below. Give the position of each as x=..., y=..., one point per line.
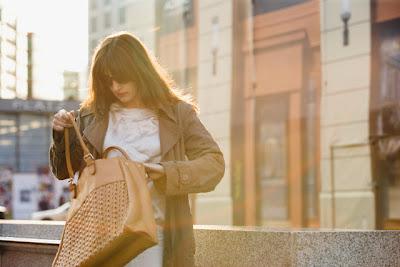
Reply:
x=295, y=161
x=214, y=99
x=344, y=118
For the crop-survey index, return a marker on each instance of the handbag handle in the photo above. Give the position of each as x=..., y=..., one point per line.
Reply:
x=108, y=149
x=87, y=156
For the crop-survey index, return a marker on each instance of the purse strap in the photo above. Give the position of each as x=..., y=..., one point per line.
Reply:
x=87, y=156
x=108, y=149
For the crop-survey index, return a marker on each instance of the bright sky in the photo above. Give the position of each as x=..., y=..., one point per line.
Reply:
x=62, y=39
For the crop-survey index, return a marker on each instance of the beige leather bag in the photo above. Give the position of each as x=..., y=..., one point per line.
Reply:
x=111, y=217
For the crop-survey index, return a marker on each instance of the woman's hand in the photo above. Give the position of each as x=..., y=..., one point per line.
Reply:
x=62, y=120
x=154, y=170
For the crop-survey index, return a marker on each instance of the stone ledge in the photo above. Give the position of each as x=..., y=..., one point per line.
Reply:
x=36, y=242
x=258, y=246
x=31, y=229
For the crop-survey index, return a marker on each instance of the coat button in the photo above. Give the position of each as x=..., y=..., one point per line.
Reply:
x=185, y=179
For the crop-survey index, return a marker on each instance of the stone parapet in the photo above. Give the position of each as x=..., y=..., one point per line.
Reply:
x=34, y=243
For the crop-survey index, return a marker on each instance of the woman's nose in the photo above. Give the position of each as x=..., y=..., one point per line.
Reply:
x=116, y=85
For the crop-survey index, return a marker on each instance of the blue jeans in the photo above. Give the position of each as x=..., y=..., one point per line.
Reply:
x=151, y=257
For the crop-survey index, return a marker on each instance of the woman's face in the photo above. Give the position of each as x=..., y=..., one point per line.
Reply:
x=126, y=94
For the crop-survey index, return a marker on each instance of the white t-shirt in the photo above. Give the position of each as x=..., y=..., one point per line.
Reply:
x=136, y=130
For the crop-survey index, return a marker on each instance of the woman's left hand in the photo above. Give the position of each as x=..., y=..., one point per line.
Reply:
x=154, y=170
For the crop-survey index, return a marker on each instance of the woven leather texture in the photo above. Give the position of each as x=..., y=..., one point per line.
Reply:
x=99, y=220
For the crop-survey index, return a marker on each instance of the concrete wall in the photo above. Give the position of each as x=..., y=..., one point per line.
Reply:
x=214, y=99
x=344, y=117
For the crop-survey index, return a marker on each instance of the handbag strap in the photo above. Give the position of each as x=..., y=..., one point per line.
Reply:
x=87, y=156
x=108, y=149
x=68, y=154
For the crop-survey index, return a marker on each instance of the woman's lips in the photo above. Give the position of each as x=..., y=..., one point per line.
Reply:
x=121, y=94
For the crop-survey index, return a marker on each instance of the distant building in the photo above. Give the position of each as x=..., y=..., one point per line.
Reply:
x=71, y=85
x=25, y=138
x=17, y=77
x=25, y=124
x=8, y=55
x=25, y=132
x=107, y=16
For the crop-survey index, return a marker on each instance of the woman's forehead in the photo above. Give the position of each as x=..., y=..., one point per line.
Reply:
x=112, y=69
x=115, y=67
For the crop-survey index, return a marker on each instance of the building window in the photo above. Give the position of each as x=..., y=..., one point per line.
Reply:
x=93, y=44
x=187, y=78
x=271, y=159
x=24, y=142
x=122, y=17
x=93, y=4
x=265, y=6
x=93, y=24
x=8, y=141
x=107, y=20
x=34, y=142
x=175, y=15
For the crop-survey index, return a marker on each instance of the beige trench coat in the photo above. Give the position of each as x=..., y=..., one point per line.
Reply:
x=191, y=158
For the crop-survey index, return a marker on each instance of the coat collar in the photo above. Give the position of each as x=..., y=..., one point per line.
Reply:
x=169, y=131
x=167, y=110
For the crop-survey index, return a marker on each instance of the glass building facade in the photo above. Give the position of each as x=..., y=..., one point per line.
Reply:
x=25, y=133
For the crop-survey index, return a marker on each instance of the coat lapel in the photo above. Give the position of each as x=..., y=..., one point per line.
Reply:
x=168, y=129
x=95, y=133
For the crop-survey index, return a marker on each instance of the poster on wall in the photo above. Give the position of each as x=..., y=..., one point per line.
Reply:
x=6, y=191
x=24, y=192
x=46, y=191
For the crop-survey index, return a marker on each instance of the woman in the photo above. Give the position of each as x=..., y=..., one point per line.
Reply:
x=132, y=104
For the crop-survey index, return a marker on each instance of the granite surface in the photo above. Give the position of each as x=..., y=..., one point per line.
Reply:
x=350, y=248
x=34, y=243
x=241, y=248
x=258, y=246
x=31, y=229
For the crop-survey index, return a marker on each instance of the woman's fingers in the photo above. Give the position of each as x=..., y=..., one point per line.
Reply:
x=62, y=119
x=154, y=167
x=58, y=127
x=65, y=117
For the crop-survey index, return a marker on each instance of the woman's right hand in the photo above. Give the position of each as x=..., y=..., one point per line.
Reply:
x=62, y=119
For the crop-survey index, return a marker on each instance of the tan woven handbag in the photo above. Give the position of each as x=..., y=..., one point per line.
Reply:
x=111, y=217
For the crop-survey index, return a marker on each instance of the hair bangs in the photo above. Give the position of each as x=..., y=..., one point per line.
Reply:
x=118, y=66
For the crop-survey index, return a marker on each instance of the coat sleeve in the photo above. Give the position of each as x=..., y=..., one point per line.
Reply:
x=57, y=160
x=205, y=166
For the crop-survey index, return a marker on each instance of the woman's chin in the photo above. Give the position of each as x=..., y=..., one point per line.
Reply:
x=129, y=104
x=124, y=101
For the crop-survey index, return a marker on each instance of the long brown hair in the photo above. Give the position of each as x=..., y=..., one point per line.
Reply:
x=123, y=57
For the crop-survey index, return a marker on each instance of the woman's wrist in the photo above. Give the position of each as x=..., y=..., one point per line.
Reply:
x=154, y=171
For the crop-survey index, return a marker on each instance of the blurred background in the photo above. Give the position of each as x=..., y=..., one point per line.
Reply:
x=301, y=95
